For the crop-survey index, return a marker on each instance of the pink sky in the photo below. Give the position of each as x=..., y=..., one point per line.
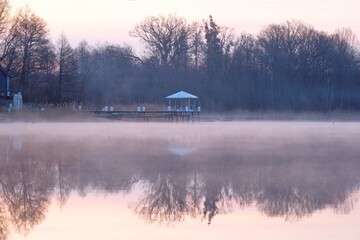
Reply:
x=111, y=20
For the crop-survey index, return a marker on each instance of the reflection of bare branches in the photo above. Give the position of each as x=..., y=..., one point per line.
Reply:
x=195, y=195
x=165, y=201
x=347, y=205
x=217, y=201
x=202, y=185
x=28, y=212
x=218, y=191
x=296, y=203
x=26, y=192
x=210, y=207
x=4, y=223
x=63, y=184
x=289, y=203
x=217, y=187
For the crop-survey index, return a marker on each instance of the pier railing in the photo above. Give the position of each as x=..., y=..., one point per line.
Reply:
x=147, y=115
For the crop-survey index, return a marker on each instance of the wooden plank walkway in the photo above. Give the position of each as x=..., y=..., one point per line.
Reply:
x=178, y=116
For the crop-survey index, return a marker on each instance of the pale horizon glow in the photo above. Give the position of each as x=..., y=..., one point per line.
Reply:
x=117, y=221
x=111, y=20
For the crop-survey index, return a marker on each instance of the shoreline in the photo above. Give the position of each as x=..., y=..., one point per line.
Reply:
x=58, y=115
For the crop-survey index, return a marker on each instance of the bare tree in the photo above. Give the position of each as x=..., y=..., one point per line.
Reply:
x=167, y=37
x=245, y=71
x=197, y=43
x=32, y=48
x=346, y=66
x=281, y=45
x=109, y=70
x=213, y=49
x=4, y=28
x=67, y=86
x=83, y=56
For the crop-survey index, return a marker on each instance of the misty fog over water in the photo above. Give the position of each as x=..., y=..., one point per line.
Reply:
x=172, y=179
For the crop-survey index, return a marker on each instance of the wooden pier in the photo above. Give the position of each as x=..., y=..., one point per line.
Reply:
x=170, y=116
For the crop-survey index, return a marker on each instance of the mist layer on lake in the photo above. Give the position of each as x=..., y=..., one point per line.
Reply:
x=207, y=178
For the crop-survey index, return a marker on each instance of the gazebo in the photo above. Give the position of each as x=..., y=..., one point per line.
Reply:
x=182, y=101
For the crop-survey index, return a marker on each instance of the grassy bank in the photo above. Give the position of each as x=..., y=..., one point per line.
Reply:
x=243, y=115
x=56, y=114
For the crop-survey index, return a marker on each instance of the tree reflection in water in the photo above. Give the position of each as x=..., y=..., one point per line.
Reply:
x=165, y=193
x=4, y=222
x=212, y=180
x=27, y=185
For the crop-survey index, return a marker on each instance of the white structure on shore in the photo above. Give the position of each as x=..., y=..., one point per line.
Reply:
x=183, y=101
x=17, y=101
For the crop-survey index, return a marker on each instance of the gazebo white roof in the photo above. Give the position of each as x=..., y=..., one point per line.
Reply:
x=181, y=95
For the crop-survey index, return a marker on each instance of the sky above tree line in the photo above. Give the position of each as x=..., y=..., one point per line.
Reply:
x=111, y=20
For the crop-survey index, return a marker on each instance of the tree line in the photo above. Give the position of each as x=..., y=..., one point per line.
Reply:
x=287, y=66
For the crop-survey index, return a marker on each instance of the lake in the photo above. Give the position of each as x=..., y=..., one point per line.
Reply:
x=210, y=180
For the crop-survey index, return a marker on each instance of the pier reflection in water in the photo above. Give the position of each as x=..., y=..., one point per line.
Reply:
x=173, y=173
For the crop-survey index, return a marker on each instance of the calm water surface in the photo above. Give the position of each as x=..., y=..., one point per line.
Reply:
x=250, y=180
